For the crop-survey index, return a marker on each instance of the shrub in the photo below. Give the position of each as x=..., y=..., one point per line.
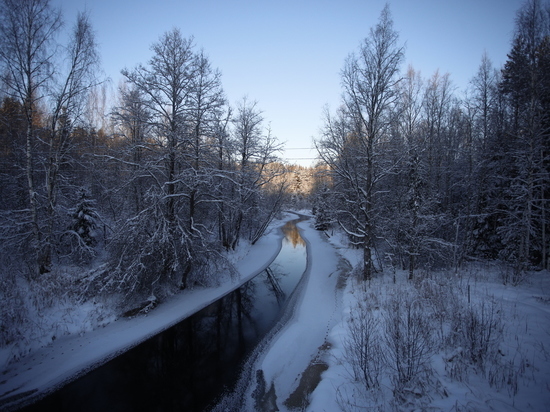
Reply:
x=482, y=331
x=408, y=338
x=362, y=346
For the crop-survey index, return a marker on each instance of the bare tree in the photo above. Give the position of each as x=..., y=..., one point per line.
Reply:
x=369, y=81
x=479, y=178
x=254, y=150
x=27, y=30
x=133, y=125
x=69, y=105
x=410, y=109
x=165, y=84
x=205, y=107
x=437, y=108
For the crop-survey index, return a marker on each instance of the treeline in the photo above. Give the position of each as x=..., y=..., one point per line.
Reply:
x=420, y=178
x=147, y=194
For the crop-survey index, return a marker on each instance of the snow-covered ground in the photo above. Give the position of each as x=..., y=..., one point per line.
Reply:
x=304, y=363
x=305, y=366
x=71, y=355
x=315, y=311
x=516, y=378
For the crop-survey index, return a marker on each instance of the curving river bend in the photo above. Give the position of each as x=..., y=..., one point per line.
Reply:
x=188, y=366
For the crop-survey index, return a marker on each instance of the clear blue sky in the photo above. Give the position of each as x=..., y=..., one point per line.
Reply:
x=287, y=54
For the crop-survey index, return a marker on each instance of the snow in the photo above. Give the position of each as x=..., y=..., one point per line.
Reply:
x=69, y=356
x=525, y=311
x=316, y=312
x=316, y=329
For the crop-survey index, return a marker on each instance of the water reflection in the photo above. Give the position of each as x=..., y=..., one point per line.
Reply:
x=189, y=365
x=174, y=370
x=292, y=234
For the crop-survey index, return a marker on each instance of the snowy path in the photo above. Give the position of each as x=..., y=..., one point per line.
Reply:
x=71, y=356
x=316, y=311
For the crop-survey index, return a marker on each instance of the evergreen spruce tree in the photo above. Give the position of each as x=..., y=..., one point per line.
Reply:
x=84, y=219
x=321, y=209
x=524, y=84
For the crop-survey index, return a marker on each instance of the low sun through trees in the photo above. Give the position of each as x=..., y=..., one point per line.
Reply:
x=145, y=194
x=149, y=199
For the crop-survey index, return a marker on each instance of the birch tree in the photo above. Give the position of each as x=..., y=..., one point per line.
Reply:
x=69, y=104
x=165, y=85
x=27, y=32
x=369, y=81
x=42, y=74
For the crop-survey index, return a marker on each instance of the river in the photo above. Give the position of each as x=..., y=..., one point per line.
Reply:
x=188, y=366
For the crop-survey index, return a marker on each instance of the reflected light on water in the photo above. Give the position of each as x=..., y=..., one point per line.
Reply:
x=292, y=234
x=188, y=366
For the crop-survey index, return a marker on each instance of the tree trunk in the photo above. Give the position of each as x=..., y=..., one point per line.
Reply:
x=367, y=263
x=237, y=232
x=36, y=235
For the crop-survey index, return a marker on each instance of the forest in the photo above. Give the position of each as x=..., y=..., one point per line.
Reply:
x=420, y=178
x=148, y=200
x=141, y=203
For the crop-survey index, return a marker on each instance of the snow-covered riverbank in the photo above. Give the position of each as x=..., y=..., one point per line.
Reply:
x=514, y=324
x=304, y=362
x=315, y=310
x=70, y=356
x=308, y=366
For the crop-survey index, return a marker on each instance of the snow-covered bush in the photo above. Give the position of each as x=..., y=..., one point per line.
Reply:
x=147, y=252
x=390, y=341
x=441, y=300
x=409, y=340
x=362, y=345
x=396, y=332
x=36, y=312
x=154, y=254
x=481, y=331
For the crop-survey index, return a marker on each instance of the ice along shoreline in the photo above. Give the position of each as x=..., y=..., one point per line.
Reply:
x=49, y=368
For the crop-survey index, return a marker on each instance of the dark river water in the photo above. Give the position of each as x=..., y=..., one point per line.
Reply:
x=187, y=367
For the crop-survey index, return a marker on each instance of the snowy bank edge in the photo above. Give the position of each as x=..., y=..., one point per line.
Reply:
x=29, y=380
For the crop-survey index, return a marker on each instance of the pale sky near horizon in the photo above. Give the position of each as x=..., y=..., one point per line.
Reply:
x=287, y=55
